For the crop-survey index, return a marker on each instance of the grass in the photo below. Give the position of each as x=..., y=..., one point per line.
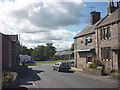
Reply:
x=36, y=62
x=29, y=64
x=50, y=61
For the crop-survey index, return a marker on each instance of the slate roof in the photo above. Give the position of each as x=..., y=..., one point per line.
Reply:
x=113, y=17
x=87, y=30
x=63, y=53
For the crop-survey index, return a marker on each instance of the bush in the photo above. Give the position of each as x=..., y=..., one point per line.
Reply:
x=118, y=70
x=7, y=79
x=92, y=65
x=113, y=71
x=99, y=68
x=107, y=70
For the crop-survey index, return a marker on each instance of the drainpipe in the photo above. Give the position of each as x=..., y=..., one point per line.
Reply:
x=76, y=59
x=97, y=40
x=75, y=52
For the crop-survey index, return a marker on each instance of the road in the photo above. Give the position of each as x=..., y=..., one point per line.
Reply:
x=47, y=78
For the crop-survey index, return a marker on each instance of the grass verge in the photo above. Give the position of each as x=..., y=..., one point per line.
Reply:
x=36, y=62
x=50, y=61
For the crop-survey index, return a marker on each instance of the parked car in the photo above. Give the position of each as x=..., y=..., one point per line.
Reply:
x=61, y=66
x=71, y=62
x=29, y=62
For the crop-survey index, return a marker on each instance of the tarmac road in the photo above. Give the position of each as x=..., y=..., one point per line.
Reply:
x=47, y=78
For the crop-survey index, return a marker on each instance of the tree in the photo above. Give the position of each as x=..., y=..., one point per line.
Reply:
x=49, y=50
x=72, y=47
x=26, y=51
x=43, y=52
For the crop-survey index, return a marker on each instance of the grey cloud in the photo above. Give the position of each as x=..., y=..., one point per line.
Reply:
x=55, y=19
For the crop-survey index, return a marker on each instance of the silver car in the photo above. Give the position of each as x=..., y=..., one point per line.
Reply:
x=61, y=66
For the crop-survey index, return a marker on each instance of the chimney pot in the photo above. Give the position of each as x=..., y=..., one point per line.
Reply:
x=111, y=8
x=109, y=4
x=117, y=4
x=112, y=3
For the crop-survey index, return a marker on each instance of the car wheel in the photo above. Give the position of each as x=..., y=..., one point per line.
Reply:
x=53, y=69
x=67, y=70
x=59, y=70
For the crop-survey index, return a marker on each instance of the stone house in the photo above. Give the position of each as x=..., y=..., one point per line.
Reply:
x=62, y=55
x=9, y=51
x=85, y=43
x=108, y=38
x=100, y=39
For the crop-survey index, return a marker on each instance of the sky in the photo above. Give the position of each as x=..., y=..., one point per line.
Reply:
x=38, y=22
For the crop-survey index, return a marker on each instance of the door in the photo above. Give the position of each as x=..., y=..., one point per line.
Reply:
x=118, y=59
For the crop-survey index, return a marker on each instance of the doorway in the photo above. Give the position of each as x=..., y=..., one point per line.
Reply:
x=118, y=59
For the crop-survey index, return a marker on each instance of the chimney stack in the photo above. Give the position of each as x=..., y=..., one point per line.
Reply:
x=112, y=3
x=117, y=4
x=111, y=8
x=109, y=3
x=95, y=16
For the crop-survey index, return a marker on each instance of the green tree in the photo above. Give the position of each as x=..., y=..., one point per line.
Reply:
x=72, y=47
x=43, y=52
x=34, y=54
x=26, y=51
x=49, y=50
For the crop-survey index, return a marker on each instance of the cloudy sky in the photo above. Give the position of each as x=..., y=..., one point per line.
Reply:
x=46, y=21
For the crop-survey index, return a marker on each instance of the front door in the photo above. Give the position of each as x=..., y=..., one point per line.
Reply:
x=118, y=59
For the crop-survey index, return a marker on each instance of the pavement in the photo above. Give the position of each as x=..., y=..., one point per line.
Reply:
x=76, y=69
x=42, y=76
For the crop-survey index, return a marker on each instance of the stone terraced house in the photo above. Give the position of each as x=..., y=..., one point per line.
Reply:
x=101, y=39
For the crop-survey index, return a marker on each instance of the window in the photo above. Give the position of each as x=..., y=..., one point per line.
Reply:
x=88, y=40
x=109, y=34
x=105, y=33
x=106, y=54
x=82, y=41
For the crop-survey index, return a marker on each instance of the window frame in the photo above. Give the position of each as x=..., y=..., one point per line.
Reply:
x=87, y=38
x=106, y=54
x=105, y=33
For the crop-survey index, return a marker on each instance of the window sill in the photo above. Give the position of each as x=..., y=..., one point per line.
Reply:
x=89, y=44
x=106, y=39
x=106, y=60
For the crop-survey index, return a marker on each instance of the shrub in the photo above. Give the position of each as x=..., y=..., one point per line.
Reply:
x=99, y=68
x=107, y=70
x=7, y=78
x=118, y=70
x=113, y=71
x=92, y=65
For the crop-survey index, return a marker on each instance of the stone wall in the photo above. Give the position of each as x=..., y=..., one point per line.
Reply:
x=113, y=43
x=81, y=60
x=82, y=45
x=81, y=57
